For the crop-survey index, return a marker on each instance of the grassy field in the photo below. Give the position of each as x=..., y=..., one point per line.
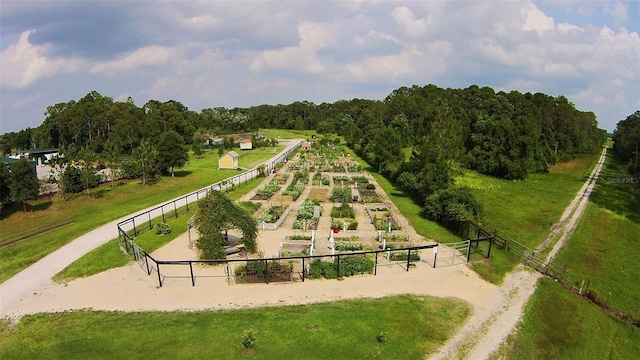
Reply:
x=103, y=206
x=524, y=210
x=605, y=246
x=410, y=327
x=109, y=256
x=603, y=249
x=559, y=325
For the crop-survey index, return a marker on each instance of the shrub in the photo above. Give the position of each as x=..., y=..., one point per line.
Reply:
x=452, y=205
x=162, y=228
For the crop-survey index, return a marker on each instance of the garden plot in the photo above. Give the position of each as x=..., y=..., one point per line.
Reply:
x=299, y=182
x=273, y=216
x=318, y=194
x=267, y=192
x=308, y=215
x=343, y=217
x=320, y=180
x=382, y=218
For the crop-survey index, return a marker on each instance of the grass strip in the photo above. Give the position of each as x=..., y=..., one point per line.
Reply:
x=409, y=327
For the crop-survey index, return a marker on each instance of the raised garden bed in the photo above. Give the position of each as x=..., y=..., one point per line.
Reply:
x=318, y=194
x=305, y=219
x=268, y=191
x=341, y=195
x=369, y=196
x=272, y=214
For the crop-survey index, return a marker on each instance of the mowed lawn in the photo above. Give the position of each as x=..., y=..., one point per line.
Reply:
x=402, y=327
x=105, y=205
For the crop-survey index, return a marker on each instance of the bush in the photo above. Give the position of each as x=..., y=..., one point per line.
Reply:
x=452, y=206
x=349, y=265
x=162, y=228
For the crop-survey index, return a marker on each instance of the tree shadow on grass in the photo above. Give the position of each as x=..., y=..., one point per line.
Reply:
x=6, y=211
x=616, y=192
x=181, y=173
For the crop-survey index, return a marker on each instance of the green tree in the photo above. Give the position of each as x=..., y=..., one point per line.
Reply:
x=172, y=152
x=5, y=189
x=24, y=183
x=112, y=157
x=217, y=214
x=145, y=157
x=87, y=159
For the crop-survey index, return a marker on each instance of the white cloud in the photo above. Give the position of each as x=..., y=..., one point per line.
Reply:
x=143, y=57
x=407, y=20
x=302, y=58
x=537, y=20
x=23, y=64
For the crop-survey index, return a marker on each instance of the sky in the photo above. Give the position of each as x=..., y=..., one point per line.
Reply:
x=243, y=53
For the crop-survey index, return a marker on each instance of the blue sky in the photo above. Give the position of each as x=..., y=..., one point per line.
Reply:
x=242, y=53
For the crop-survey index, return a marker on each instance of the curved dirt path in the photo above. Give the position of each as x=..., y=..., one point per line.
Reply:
x=21, y=285
x=485, y=331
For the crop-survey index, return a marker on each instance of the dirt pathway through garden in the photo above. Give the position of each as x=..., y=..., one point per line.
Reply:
x=487, y=330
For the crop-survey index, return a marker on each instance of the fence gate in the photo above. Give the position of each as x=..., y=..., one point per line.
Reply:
x=452, y=254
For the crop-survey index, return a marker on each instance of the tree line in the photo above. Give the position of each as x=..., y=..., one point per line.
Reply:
x=419, y=137
x=626, y=144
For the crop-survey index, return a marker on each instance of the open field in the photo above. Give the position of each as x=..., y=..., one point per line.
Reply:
x=105, y=205
x=524, y=210
x=605, y=247
x=602, y=250
x=559, y=325
x=338, y=330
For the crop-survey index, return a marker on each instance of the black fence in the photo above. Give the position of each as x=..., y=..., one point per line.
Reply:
x=278, y=269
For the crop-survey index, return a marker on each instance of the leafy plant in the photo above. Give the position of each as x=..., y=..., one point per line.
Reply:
x=162, y=228
x=248, y=339
x=341, y=195
x=348, y=246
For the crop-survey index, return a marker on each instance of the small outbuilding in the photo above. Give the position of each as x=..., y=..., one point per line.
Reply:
x=246, y=144
x=229, y=161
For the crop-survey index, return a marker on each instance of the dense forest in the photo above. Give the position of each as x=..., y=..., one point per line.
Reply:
x=627, y=143
x=507, y=135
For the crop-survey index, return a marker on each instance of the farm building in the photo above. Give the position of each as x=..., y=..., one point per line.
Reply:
x=229, y=160
x=245, y=144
